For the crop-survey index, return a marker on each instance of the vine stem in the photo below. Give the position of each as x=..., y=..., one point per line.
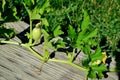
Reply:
x=114, y=70
x=12, y=42
x=30, y=40
x=67, y=62
x=30, y=20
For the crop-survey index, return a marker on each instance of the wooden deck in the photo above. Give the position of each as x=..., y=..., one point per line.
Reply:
x=17, y=63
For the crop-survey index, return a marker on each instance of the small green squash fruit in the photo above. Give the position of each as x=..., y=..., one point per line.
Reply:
x=36, y=33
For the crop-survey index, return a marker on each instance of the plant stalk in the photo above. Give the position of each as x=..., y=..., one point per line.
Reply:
x=114, y=70
x=38, y=55
x=12, y=42
x=67, y=62
x=30, y=39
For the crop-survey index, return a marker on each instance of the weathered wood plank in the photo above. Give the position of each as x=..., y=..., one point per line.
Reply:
x=17, y=63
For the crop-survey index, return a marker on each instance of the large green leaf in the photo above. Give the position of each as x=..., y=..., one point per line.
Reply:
x=35, y=15
x=59, y=44
x=85, y=62
x=47, y=42
x=99, y=68
x=45, y=22
x=46, y=35
x=79, y=41
x=28, y=3
x=97, y=71
x=91, y=34
x=57, y=31
x=44, y=6
x=71, y=32
x=97, y=55
x=86, y=49
x=80, y=36
x=91, y=74
x=86, y=21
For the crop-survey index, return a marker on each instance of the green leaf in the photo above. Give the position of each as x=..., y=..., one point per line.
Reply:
x=99, y=68
x=33, y=2
x=80, y=36
x=35, y=15
x=46, y=35
x=60, y=44
x=6, y=32
x=45, y=5
x=85, y=62
x=46, y=55
x=45, y=22
x=57, y=31
x=3, y=4
x=86, y=49
x=86, y=21
x=79, y=41
x=15, y=13
x=97, y=55
x=71, y=32
x=70, y=56
x=100, y=74
x=27, y=35
x=91, y=34
x=47, y=43
x=92, y=74
x=28, y=3
x=92, y=42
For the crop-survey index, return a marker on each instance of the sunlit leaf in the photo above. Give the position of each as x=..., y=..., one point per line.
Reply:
x=86, y=21
x=46, y=35
x=45, y=22
x=15, y=13
x=60, y=44
x=57, y=31
x=81, y=35
x=35, y=15
x=42, y=8
x=97, y=55
x=46, y=55
x=91, y=34
x=91, y=74
x=3, y=4
x=33, y=2
x=71, y=32
x=86, y=49
x=99, y=68
x=28, y=3
x=70, y=56
x=100, y=74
